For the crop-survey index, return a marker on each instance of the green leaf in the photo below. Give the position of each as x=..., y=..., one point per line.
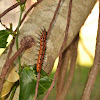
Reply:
x=28, y=81
x=43, y=73
x=44, y=84
x=33, y=67
x=27, y=84
x=3, y=38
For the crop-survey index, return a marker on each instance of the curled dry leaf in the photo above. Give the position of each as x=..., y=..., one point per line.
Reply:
x=12, y=78
x=2, y=98
x=6, y=88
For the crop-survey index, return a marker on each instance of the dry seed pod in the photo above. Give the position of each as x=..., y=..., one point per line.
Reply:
x=27, y=42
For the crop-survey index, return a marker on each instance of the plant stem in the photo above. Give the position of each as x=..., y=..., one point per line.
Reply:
x=26, y=43
x=9, y=64
x=61, y=49
x=13, y=92
x=11, y=8
x=68, y=83
x=21, y=11
x=37, y=86
x=14, y=89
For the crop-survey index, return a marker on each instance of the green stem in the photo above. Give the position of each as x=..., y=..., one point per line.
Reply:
x=14, y=89
x=21, y=11
x=13, y=92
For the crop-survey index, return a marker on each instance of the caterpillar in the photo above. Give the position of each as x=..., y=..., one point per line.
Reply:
x=42, y=50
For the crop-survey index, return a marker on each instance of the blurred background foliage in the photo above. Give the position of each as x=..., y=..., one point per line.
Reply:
x=86, y=51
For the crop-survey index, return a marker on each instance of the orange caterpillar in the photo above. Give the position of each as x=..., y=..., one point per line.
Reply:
x=41, y=54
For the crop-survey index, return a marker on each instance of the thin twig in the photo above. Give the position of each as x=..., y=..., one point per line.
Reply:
x=55, y=14
x=95, y=68
x=17, y=46
x=4, y=25
x=10, y=50
x=26, y=43
x=37, y=85
x=61, y=51
x=13, y=40
x=13, y=92
x=54, y=17
x=14, y=57
x=4, y=67
x=3, y=74
x=14, y=6
x=71, y=70
x=8, y=56
x=11, y=8
x=33, y=5
x=62, y=72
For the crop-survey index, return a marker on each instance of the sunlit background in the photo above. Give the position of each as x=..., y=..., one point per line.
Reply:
x=87, y=41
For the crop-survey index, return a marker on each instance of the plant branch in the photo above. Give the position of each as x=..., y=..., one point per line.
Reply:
x=13, y=92
x=61, y=51
x=13, y=40
x=54, y=17
x=26, y=43
x=11, y=8
x=37, y=85
x=33, y=5
x=62, y=72
x=21, y=12
x=8, y=56
x=3, y=74
x=95, y=68
x=4, y=25
x=66, y=88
